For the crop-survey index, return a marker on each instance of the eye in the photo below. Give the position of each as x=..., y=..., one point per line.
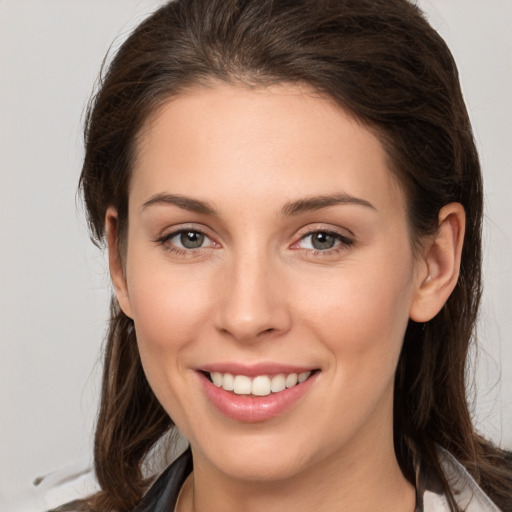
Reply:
x=186, y=240
x=322, y=240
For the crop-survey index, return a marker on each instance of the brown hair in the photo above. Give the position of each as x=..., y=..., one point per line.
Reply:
x=381, y=61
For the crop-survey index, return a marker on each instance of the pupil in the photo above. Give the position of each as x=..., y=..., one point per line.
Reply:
x=323, y=241
x=191, y=239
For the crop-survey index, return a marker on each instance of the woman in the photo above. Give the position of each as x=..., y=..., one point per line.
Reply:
x=291, y=199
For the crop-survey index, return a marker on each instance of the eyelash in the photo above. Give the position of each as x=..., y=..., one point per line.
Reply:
x=343, y=242
x=181, y=251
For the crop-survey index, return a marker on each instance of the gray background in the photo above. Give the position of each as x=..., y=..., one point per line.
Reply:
x=54, y=286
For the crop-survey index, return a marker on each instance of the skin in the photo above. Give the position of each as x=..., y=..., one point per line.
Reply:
x=257, y=290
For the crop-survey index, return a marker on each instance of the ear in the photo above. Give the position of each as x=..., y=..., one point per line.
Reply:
x=441, y=262
x=117, y=271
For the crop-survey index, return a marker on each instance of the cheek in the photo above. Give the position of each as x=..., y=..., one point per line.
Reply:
x=361, y=321
x=168, y=306
x=169, y=311
x=362, y=314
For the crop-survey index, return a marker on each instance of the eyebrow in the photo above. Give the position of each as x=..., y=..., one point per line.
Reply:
x=289, y=209
x=187, y=203
x=318, y=202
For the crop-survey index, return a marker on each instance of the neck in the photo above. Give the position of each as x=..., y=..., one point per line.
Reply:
x=359, y=480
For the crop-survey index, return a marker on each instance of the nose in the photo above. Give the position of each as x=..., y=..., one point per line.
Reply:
x=253, y=300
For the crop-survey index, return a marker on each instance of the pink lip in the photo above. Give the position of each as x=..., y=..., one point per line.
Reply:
x=253, y=409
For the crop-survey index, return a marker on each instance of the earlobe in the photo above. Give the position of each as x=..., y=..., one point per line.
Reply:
x=117, y=271
x=442, y=255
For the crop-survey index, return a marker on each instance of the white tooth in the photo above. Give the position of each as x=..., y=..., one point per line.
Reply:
x=291, y=380
x=228, y=382
x=261, y=386
x=242, y=385
x=278, y=383
x=303, y=376
x=216, y=378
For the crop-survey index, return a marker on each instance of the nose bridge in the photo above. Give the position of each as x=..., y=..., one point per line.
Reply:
x=252, y=303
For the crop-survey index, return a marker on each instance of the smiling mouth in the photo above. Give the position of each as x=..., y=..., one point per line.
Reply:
x=259, y=385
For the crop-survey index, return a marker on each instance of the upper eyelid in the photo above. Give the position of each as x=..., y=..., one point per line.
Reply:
x=337, y=231
x=173, y=231
x=342, y=238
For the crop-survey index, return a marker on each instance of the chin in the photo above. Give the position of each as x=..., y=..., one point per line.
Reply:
x=259, y=458
x=271, y=467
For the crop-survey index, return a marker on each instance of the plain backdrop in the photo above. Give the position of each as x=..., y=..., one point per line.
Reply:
x=54, y=286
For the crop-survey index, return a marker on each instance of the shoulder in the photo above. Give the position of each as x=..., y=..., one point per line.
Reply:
x=466, y=492
x=77, y=482
x=469, y=496
x=66, y=485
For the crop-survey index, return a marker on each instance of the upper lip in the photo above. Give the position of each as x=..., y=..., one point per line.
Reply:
x=253, y=370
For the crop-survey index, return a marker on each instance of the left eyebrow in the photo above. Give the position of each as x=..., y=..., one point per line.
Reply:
x=318, y=202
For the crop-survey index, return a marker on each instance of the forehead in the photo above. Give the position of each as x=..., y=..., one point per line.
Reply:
x=281, y=141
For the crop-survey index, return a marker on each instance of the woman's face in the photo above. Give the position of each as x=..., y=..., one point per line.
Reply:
x=268, y=242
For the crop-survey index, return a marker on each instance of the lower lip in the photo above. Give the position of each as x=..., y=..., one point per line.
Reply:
x=253, y=409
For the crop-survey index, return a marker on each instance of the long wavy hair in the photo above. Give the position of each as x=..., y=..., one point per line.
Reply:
x=381, y=61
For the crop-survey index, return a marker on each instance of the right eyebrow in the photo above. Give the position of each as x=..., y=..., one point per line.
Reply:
x=187, y=203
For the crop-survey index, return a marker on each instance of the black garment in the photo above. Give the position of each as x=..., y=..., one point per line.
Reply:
x=163, y=494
